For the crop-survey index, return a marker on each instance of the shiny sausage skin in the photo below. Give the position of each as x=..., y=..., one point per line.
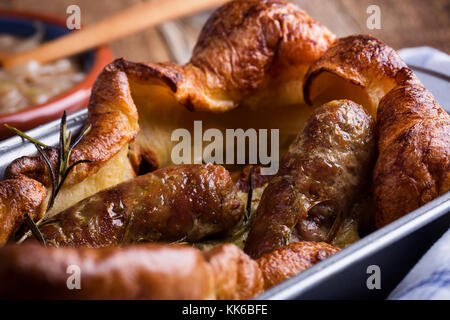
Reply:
x=179, y=202
x=146, y=271
x=321, y=174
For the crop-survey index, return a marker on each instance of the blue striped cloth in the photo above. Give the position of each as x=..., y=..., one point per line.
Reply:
x=428, y=58
x=435, y=60
x=430, y=277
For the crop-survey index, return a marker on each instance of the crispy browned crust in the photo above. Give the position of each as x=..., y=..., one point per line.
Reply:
x=359, y=58
x=246, y=43
x=251, y=57
x=18, y=197
x=151, y=271
x=236, y=275
x=413, y=166
x=244, y=46
x=114, y=121
x=362, y=60
x=285, y=262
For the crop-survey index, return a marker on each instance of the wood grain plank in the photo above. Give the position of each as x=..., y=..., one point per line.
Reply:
x=331, y=13
x=145, y=46
x=405, y=23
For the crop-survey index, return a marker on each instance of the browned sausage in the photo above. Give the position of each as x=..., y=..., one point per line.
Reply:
x=18, y=197
x=179, y=202
x=320, y=176
x=150, y=271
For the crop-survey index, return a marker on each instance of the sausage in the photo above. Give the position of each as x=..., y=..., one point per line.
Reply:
x=18, y=197
x=319, y=178
x=288, y=261
x=179, y=202
x=146, y=271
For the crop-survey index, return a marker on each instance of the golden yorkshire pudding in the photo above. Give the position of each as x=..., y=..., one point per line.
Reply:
x=287, y=261
x=19, y=197
x=113, y=118
x=246, y=71
x=236, y=275
x=150, y=271
x=245, y=48
x=359, y=67
x=413, y=166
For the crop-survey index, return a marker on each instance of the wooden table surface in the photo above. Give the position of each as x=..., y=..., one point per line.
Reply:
x=404, y=23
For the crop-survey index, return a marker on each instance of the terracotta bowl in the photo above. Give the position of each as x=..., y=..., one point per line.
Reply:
x=92, y=62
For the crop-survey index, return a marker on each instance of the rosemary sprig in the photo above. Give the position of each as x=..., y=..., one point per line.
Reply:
x=34, y=229
x=240, y=235
x=248, y=210
x=57, y=181
x=63, y=142
x=80, y=137
x=25, y=136
x=52, y=174
x=49, y=221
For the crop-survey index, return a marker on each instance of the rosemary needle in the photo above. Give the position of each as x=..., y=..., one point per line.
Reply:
x=249, y=196
x=65, y=150
x=34, y=229
x=25, y=136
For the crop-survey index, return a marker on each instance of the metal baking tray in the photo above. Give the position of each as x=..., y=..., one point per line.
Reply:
x=394, y=248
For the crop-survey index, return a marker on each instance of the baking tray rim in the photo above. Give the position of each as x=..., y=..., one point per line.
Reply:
x=365, y=247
